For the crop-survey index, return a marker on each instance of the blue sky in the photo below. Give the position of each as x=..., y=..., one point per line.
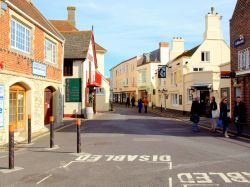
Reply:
x=133, y=27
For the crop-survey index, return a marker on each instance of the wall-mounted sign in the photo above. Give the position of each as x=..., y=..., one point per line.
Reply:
x=1, y=105
x=227, y=74
x=73, y=91
x=38, y=69
x=239, y=41
x=162, y=71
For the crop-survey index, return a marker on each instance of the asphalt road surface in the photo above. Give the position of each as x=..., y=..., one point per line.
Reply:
x=127, y=149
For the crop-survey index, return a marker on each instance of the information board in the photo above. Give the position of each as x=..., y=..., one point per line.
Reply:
x=73, y=90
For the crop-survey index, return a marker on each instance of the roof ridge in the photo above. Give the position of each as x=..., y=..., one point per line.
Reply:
x=47, y=21
x=185, y=52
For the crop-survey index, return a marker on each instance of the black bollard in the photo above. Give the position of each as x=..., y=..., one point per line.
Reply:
x=78, y=130
x=29, y=129
x=11, y=146
x=51, y=131
x=161, y=108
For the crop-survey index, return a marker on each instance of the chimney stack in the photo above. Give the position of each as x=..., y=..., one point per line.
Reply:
x=164, y=52
x=177, y=47
x=213, y=28
x=71, y=15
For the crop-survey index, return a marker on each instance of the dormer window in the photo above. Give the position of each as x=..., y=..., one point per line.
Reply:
x=205, y=56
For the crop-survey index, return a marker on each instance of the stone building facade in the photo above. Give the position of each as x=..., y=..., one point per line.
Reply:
x=31, y=56
x=240, y=53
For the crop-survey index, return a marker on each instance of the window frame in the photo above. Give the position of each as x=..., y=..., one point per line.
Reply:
x=244, y=59
x=54, y=50
x=174, y=100
x=71, y=68
x=206, y=56
x=24, y=40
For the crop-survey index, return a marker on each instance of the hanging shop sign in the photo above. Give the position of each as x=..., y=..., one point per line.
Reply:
x=162, y=71
x=240, y=41
x=1, y=105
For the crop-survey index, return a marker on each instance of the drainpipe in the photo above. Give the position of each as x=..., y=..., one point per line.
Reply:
x=62, y=99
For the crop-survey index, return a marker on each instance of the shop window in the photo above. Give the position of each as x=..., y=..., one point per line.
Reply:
x=20, y=36
x=100, y=91
x=205, y=56
x=190, y=94
x=68, y=68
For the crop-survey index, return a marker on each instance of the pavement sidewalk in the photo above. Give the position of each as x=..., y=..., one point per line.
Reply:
x=36, y=135
x=204, y=122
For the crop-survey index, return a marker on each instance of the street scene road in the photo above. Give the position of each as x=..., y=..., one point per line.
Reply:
x=128, y=149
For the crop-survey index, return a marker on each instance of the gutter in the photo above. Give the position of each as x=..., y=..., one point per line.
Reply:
x=35, y=22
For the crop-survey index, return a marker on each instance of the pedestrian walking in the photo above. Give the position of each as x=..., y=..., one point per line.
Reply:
x=133, y=101
x=145, y=103
x=195, y=114
x=213, y=113
x=139, y=105
x=239, y=115
x=128, y=102
x=224, y=116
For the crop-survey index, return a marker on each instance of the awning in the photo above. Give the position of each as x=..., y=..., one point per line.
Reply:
x=200, y=86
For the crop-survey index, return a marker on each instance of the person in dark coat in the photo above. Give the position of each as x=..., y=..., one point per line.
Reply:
x=212, y=107
x=128, y=102
x=223, y=116
x=239, y=115
x=195, y=114
x=133, y=101
x=139, y=105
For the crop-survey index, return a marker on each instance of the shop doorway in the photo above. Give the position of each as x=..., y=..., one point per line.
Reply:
x=48, y=104
x=17, y=107
x=204, y=100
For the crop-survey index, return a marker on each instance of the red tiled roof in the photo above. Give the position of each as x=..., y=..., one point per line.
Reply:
x=30, y=10
x=63, y=25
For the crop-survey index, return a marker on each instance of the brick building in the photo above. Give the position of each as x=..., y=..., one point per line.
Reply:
x=240, y=53
x=31, y=57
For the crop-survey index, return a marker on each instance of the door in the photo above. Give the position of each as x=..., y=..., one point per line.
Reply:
x=204, y=100
x=48, y=105
x=17, y=108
